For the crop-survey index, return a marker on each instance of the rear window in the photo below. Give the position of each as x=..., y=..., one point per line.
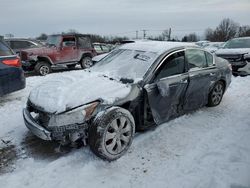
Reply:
x=4, y=49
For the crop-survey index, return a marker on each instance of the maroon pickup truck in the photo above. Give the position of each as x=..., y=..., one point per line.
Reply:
x=64, y=49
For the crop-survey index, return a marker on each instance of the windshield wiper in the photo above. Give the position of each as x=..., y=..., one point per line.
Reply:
x=126, y=80
x=123, y=80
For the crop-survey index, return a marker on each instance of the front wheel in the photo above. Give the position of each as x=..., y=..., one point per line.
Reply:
x=86, y=62
x=43, y=68
x=216, y=94
x=112, y=133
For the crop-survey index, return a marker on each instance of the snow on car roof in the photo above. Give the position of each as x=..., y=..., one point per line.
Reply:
x=155, y=46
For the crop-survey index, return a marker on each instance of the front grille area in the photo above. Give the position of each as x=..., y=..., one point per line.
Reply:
x=68, y=128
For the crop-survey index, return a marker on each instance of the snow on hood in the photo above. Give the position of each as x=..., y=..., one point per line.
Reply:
x=233, y=51
x=76, y=89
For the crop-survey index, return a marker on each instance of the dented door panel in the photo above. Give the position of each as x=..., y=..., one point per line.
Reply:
x=166, y=97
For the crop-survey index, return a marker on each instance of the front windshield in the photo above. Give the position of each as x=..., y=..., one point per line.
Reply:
x=53, y=40
x=238, y=43
x=126, y=64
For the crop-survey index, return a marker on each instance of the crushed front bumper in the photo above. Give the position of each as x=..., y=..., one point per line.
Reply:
x=34, y=127
x=63, y=133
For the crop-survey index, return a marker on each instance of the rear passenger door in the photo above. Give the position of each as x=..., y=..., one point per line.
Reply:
x=202, y=73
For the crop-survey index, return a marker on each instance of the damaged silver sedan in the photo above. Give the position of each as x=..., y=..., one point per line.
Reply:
x=134, y=88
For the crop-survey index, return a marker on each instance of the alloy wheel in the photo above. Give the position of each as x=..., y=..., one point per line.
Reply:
x=44, y=70
x=217, y=94
x=118, y=135
x=87, y=62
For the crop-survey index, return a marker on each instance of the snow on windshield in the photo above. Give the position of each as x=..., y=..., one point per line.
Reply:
x=53, y=40
x=125, y=63
x=238, y=43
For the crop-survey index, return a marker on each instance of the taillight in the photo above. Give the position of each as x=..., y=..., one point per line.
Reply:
x=12, y=62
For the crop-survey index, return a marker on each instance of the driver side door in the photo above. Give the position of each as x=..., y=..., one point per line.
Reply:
x=68, y=51
x=167, y=91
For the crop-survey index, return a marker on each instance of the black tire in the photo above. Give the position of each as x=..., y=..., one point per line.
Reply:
x=71, y=66
x=43, y=68
x=216, y=94
x=86, y=62
x=111, y=133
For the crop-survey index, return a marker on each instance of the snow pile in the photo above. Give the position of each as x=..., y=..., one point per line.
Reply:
x=208, y=148
x=77, y=88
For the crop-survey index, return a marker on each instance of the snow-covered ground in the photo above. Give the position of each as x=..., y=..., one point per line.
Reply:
x=209, y=148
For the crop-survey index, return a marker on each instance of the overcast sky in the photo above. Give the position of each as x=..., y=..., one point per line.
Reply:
x=30, y=18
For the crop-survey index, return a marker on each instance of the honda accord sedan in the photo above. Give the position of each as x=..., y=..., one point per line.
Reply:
x=135, y=87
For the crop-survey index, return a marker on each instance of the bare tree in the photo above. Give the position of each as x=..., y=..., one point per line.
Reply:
x=209, y=34
x=226, y=30
x=192, y=37
x=244, y=31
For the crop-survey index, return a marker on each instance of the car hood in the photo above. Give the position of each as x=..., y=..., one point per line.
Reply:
x=233, y=51
x=79, y=88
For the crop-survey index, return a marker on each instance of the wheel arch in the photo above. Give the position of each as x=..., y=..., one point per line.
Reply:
x=224, y=82
x=87, y=54
x=44, y=58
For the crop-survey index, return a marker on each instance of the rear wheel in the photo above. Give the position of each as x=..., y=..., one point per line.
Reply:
x=43, y=68
x=216, y=94
x=86, y=62
x=112, y=133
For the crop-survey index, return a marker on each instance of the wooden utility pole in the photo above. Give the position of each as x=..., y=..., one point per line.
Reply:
x=169, y=33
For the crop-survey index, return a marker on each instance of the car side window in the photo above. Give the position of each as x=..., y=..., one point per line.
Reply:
x=105, y=49
x=69, y=41
x=210, y=59
x=18, y=44
x=173, y=65
x=196, y=58
x=98, y=48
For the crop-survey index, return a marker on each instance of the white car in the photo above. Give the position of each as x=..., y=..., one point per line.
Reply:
x=237, y=52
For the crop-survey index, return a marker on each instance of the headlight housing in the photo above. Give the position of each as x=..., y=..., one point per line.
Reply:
x=75, y=116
